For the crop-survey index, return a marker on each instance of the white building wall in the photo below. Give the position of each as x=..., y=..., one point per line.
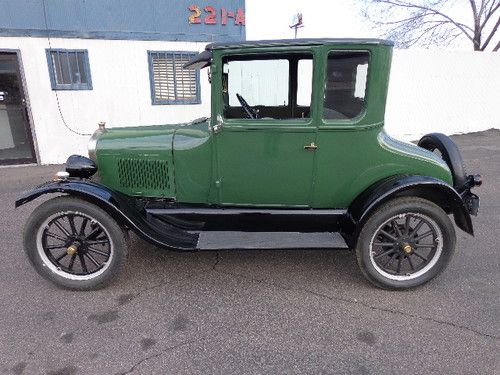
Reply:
x=442, y=91
x=121, y=94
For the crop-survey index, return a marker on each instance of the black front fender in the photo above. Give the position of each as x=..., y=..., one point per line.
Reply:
x=432, y=189
x=121, y=207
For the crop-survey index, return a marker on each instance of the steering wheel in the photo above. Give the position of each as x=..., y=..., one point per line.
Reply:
x=249, y=111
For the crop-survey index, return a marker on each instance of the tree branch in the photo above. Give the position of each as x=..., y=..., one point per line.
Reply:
x=474, y=10
x=490, y=13
x=476, y=40
x=488, y=39
x=423, y=33
x=427, y=22
x=412, y=18
x=397, y=3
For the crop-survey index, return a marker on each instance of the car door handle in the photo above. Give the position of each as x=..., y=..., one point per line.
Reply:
x=310, y=147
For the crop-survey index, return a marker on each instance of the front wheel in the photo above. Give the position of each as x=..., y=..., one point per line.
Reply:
x=405, y=243
x=74, y=243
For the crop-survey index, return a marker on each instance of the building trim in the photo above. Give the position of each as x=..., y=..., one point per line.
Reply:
x=122, y=35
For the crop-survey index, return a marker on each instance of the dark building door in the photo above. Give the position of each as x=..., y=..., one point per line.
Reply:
x=16, y=143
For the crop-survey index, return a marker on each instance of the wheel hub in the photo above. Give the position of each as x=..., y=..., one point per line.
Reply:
x=78, y=245
x=405, y=244
x=73, y=249
x=406, y=247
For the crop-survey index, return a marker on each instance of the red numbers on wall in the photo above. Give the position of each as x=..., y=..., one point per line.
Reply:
x=211, y=15
x=211, y=18
x=195, y=16
x=240, y=17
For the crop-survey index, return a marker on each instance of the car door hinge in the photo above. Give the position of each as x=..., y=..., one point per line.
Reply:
x=217, y=128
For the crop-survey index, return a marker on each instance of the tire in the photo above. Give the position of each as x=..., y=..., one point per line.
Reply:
x=414, y=217
x=82, y=256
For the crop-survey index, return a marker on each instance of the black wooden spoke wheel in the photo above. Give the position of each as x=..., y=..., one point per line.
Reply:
x=405, y=243
x=74, y=243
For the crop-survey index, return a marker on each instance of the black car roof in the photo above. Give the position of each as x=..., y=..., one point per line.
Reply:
x=296, y=42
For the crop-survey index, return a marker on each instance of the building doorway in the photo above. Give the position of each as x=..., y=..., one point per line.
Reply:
x=16, y=142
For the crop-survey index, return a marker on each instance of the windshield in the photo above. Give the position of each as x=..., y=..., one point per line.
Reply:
x=277, y=88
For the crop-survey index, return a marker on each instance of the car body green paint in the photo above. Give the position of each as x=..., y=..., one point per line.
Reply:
x=263, y=162
x=128, y=157
x=193, y=154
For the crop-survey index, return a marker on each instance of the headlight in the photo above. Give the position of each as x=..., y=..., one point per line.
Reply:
x=80, y=166
x=92, y=145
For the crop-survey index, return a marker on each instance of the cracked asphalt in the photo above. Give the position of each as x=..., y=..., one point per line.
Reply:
x=266, y=312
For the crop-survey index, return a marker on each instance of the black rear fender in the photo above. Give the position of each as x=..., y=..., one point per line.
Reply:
x=122, y=208
x=425, y=187
x=450, y=154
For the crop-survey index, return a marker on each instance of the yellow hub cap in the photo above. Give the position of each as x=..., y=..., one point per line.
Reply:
x=407, y=249
x=72, y=250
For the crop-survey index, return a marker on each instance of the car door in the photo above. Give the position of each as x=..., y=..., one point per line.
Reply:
x=266, y=161
x=347, y=130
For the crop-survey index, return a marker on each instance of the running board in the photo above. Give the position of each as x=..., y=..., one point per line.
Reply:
x=244, y=211
x=225, y=240
x=251, y=219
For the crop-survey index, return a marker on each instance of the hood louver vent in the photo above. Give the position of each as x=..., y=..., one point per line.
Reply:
x=143, y=176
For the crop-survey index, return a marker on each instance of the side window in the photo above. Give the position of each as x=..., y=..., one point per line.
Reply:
x=170, y=82
x=345, y=87
x=304, y=82
x=69, y=69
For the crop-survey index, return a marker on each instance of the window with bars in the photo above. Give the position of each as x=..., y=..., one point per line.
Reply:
x=170, y=83
x=69, y=69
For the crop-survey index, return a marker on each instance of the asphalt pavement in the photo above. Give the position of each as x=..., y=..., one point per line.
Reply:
x=260, y=311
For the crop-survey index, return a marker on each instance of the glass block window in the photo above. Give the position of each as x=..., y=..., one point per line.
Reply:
x=69, y=69
x=170, y=82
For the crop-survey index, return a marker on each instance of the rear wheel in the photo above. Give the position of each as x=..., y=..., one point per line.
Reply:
x=405, y=243
x=74, y=243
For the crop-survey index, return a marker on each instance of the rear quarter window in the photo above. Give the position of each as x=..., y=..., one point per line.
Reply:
x=345, y=86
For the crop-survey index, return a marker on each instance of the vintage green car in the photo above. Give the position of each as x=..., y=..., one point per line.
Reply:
x=295, y=142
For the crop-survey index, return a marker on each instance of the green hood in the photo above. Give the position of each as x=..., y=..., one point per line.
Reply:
x=139, y=160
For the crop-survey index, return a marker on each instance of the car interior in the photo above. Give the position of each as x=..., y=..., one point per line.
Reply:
x=279, y=86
